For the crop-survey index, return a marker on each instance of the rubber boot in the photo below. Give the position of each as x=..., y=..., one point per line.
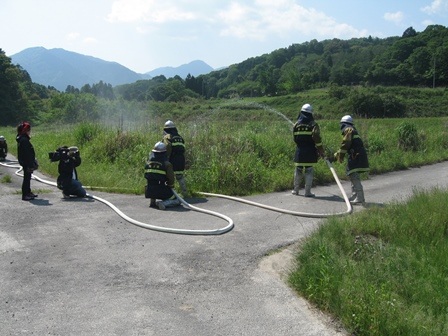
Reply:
x=297, y=180
x=153, y=203
x=356, y=180
x=353, y=195
x=183, y=187
x=309, y=181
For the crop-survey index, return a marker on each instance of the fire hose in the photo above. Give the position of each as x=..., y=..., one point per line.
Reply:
x=219, y=231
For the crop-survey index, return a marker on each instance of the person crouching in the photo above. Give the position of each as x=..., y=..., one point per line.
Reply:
x=159, y=174
x=68, y=177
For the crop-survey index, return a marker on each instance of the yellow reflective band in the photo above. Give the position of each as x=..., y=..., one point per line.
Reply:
x=319, y=144
x=304, y=164
x=303, y=133
x=178, y=144
x=179, y=172
x=155, y=171
x=356, y=137
x=358, y=170
x=342, y=151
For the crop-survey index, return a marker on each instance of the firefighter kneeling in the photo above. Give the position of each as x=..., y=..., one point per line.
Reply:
x=160, y=176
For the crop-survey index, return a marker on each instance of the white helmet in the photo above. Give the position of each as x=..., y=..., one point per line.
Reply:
x=347, y=119
x=307, y=108
x=159, y=147
x=2, y=138
x=169, y=124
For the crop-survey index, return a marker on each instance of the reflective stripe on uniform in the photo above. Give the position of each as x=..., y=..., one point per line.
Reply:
x=155, y=171
x=303, y=164
x=358, y=170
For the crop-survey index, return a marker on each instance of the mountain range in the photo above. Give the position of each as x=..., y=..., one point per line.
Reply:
x=59, y=68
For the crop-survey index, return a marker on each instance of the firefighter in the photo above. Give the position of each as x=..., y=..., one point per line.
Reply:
x=160, y=179
x=3, y=148
x=357, y=160
x=175, y=150
x=308, y=141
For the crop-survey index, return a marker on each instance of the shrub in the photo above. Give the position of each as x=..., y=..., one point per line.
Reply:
x=407, y=136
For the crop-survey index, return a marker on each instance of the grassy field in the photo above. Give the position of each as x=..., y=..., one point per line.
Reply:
x=238, y=148
x=381, y=271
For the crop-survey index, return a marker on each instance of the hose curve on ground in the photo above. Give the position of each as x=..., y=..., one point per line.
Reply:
x=209, y=212
x=144, y=225
x=295, y=213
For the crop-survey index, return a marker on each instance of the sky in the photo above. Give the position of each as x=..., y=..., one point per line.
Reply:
x=143, y=35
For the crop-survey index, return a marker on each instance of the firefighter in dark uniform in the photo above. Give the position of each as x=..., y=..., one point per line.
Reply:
x=175, y=151
x=307, y=137
x=160, y=176
x=357, y=160
x=3, y=148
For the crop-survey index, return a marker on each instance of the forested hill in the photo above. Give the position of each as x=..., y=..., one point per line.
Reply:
x=356, y=71
x=415, y=59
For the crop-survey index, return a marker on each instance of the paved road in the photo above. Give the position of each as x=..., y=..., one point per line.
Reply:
x=73, y=267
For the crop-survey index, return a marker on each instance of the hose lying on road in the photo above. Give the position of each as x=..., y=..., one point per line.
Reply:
x=209, y=212
x=144, y=225
x=295, y=213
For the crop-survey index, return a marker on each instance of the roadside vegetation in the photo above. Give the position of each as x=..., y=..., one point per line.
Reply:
x=381, y=271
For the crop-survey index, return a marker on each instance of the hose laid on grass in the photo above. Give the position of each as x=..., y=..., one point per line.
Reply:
x=296, y=213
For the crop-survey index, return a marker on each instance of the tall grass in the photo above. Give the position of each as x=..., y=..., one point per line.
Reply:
x=237, y=148
x=382, y=271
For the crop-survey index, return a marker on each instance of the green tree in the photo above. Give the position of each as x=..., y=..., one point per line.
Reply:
x=12, y=103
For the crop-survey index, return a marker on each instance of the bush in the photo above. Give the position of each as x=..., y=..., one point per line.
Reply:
x=407, y=136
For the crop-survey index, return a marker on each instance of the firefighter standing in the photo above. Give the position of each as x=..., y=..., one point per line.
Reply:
x=307, y=137
x=357, y=161
x=175, y=151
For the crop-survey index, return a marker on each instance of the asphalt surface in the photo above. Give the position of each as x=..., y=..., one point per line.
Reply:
x=74, y=267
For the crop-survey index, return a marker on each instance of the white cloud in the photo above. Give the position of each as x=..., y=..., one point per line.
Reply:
x=397, y=17
x=72, y=36
x=282, y=18
x=90, y=40
x=147, y=11
x=435, y=7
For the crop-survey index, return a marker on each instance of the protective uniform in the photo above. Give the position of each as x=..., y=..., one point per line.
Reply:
x=308, y=141
x=357, y=160
x=160, y=179
x=175, y=151
x=3, y=147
